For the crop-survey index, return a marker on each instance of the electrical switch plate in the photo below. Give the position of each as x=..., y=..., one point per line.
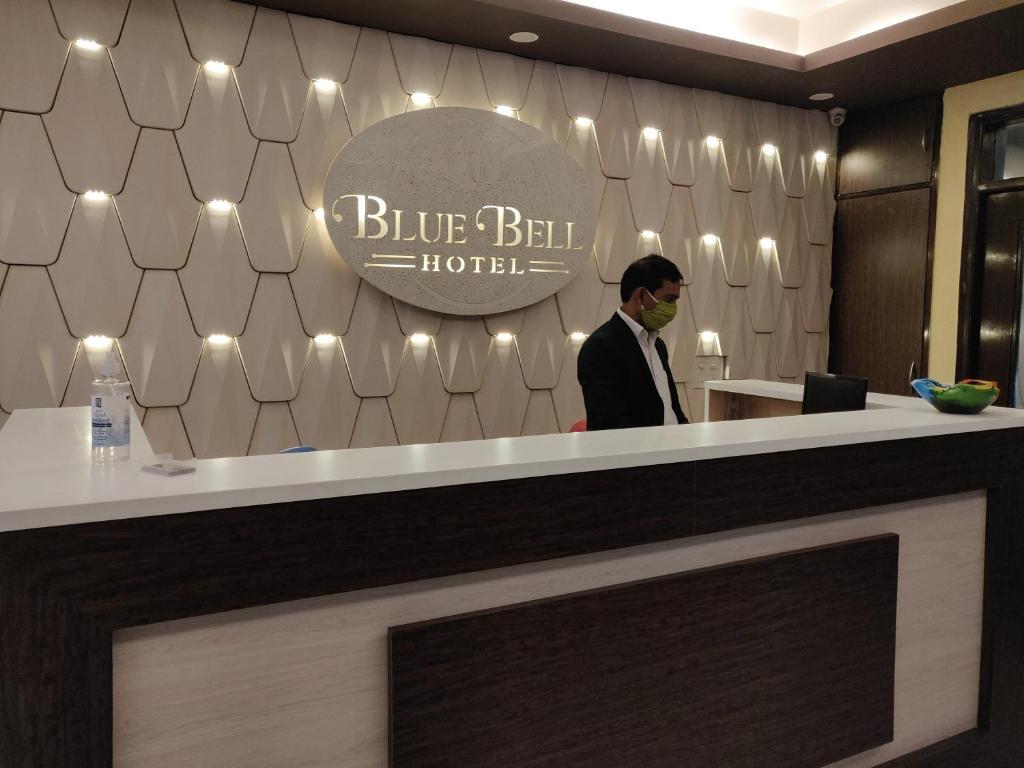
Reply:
x=707, y=369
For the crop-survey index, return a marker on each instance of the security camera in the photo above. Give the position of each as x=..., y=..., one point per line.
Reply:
x=837, y=116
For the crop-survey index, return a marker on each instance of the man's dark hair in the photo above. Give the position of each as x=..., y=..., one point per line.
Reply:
x=649, y=272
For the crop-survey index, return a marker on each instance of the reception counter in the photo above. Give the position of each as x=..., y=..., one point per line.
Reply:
x=803, y=591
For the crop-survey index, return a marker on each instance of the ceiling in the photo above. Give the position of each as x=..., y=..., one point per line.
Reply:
x=866, y=52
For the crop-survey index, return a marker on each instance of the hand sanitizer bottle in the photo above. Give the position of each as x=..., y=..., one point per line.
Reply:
x=111, y=414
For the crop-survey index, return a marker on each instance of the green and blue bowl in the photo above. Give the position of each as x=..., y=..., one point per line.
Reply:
x=969, y=396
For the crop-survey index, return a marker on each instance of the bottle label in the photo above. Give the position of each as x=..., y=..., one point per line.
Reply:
x=111, y=420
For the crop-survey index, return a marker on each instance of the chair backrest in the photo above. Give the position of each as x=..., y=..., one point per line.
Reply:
x=829, y=392
x=299, y=449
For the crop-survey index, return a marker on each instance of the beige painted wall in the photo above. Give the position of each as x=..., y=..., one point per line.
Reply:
x=958, y=105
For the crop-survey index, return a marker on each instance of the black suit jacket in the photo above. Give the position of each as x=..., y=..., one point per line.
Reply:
x=618, y=388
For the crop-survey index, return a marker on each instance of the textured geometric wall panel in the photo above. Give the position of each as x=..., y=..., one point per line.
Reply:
x=162, y=270
x=34, y=203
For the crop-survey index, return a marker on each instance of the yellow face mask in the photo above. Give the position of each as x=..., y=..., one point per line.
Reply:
x=659, y=316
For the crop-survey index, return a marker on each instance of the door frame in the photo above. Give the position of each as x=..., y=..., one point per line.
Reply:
x=980, y=156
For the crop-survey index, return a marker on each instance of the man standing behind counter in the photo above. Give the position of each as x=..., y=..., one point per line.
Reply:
x=623, y=366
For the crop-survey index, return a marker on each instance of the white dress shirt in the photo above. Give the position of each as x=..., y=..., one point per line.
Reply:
x=646, y=341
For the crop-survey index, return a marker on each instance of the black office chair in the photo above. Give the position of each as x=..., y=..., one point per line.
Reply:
x=829, y=392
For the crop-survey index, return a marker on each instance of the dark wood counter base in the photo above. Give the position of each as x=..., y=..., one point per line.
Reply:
x=64, y=590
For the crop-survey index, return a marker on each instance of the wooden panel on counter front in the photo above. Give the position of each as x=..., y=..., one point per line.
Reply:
x=658, y=672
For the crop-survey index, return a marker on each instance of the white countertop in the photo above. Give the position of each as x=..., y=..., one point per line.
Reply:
x=59, y=485
x=781, y=390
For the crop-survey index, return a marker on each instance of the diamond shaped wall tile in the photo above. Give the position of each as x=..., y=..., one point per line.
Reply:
x=792, y=246
x=544, y=108
x=768, y=196
x=461, y=422
x=681, y=238
x=92, y=135
x=649, y=187
x=35, y=206
x=540, y=414
x=323, y=132
x=422, y=63
x=271, y=214
x=218, y=280
x=160, y=349
x=273, y=346
x=618, y=133
x=710, y=288
x=326, y=406
x=505, y=322
x=216, y=30
x=502, y=398
x=682, y=138
x=740, y=144
x=415, y=320
x=89, y=366
x=567, y=395
x=373, y=90
x=506, y=77
x=95, y=279
x=785, y=337
x=98, y=20
x=579, y=301
x=820, y=202
x=275, y=430
x=762, y=359
x=541, y=345
x=617, y=242
x=739, y=241
x=464, y=81
x=764, y=294
x=462, y=345
x=216, y=144
x=324, y=285
x=374, y=343
x=166, y=433
x=38, y=357
x=31, y=46
x=581, y=145
x=815, y=293
x=157, y=208
x=325, y=47
x=711, y=194
x=153, y=65
x=582, y=90
x=220, y=414
x=420, y=401
x=374, y=427
x=795, y=151
x=270, y=79
x=737, y=335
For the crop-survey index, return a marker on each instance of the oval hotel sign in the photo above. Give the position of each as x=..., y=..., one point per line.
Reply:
x=460, y=211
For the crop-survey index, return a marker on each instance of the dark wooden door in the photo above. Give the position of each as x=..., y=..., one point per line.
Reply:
x=880, y=266
x=999, y=285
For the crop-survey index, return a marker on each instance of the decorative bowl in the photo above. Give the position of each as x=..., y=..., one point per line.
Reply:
x=969, y=396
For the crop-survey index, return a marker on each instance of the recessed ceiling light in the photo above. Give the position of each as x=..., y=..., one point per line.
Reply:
x=821, y=96
x=651, y=133
x=712, y=142
x=421, y=99
x=324, y=85
x=584, y=122
x=87, y=45
x=821, y=155
x=506, y=111
x=524, y=37
x=216, y=67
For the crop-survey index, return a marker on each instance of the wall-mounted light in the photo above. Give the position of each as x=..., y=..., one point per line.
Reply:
x=821, y=155
x=769, y=150
x=95, y=196
x=651, y=133
x=98, y=343
x=506, y=111
x=219, y=206
x=710, y=240
x=823, y=96
x=648, y=234
x=219, y=340
x=766, y=243
x=584, y=122
x=323, y=340
x=87, y=45
x=216, y=67
x=318, y=214
x=578, y=336
x=504, y=337
x=324, y=85
x=709, y=345
x=421, y=99
x=419, y=339
x=524, y=37
x=713, y=142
